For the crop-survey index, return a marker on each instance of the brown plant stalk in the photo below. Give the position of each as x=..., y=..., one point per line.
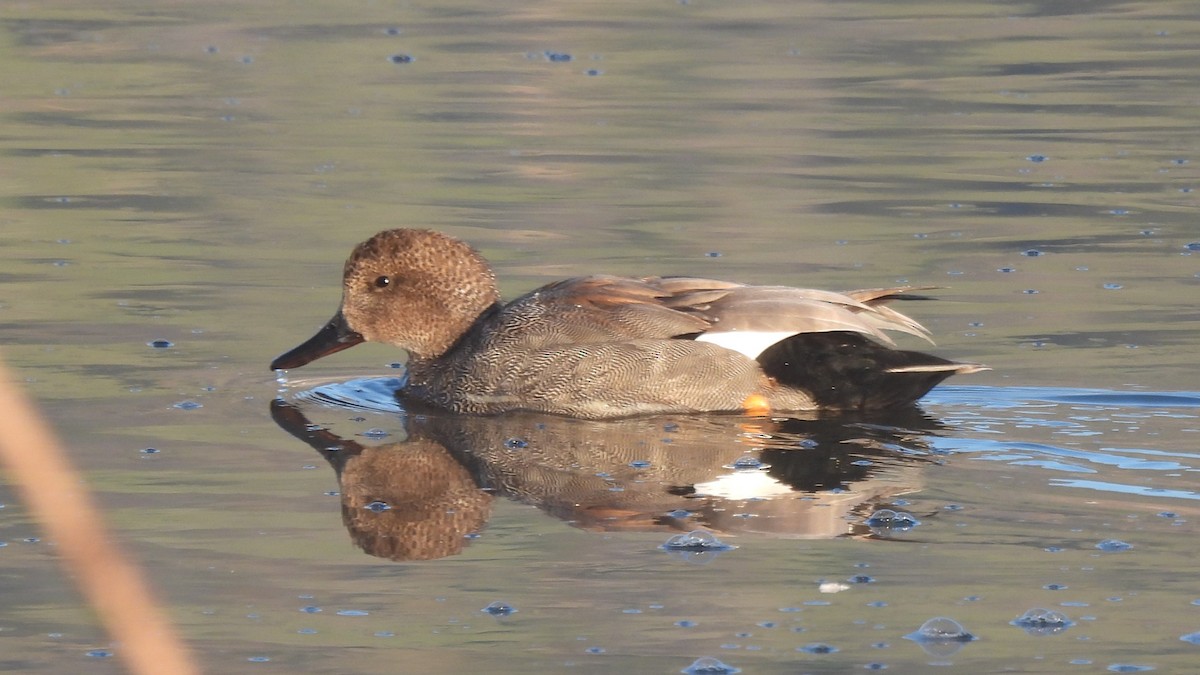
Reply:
x=57, y=497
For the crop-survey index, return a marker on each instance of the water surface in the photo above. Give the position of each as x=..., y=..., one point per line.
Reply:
x=195, y=174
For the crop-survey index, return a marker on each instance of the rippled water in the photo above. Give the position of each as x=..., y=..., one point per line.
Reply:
x=179, y=186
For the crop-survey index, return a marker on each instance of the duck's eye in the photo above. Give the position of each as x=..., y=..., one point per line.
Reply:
x=382, y=282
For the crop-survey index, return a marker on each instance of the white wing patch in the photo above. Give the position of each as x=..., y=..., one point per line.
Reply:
x=748, y=342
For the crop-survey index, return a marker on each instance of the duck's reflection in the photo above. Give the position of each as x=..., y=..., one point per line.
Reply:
x=422, y=498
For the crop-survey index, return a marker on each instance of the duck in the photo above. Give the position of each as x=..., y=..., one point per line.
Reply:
x=600, y=346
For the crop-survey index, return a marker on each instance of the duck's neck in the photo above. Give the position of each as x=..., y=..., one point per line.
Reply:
x=432, y=375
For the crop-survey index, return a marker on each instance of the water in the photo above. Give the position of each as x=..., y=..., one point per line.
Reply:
x=181, y=184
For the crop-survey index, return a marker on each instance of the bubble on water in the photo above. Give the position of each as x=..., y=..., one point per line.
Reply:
x=557, y=57
x=696, y=541
x=1119, y=212
x=680, y=513
x=98, y=653
x=353, y=612
x=707, y=665
x=1113, y=287
x=391, y=30
x=595, y=650
x=1055, y=587
x=685, y=623
x=311, y=609
x=1040, y=621
x=498, y=608
x=1111, y=545
x=818, y=648
x=1032, y=253
x=941, y=629
x=895, y=521
x=713, y=254
x=1192, y=246
x=1030, y=291
x=375, y=432
x=1193, y=638
x=747, y=463
x=516, y=443
x=941, y=637
x=1129, y=668
x=875, y=665
x=593, y=72
x=861, y=579
x=640, y=464
x=149, y=451
x=258, y=659
x=1037, y=159
x=401, y=58
x=160, y=344
x=1167, y=514
x=1007, y=270
x=188, y=405
x=378, y=506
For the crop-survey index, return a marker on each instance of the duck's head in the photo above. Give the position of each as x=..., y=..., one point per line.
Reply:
x=416, y=289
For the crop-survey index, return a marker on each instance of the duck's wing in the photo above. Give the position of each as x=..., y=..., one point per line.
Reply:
x=749, y=319
x=588, y=310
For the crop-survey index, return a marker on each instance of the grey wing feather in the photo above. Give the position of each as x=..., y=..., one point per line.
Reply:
x=777, y=309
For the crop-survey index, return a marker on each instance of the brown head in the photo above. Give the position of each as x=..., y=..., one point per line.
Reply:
x=416, y=289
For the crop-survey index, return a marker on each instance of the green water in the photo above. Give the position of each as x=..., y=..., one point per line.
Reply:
x=196, y=172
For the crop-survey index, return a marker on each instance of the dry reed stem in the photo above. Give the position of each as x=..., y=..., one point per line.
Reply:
x=57, y=497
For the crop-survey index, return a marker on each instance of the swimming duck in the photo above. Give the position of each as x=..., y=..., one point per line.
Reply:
x=605, y=346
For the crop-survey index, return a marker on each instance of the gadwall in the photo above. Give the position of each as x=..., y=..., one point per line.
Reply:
x=604, y=346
